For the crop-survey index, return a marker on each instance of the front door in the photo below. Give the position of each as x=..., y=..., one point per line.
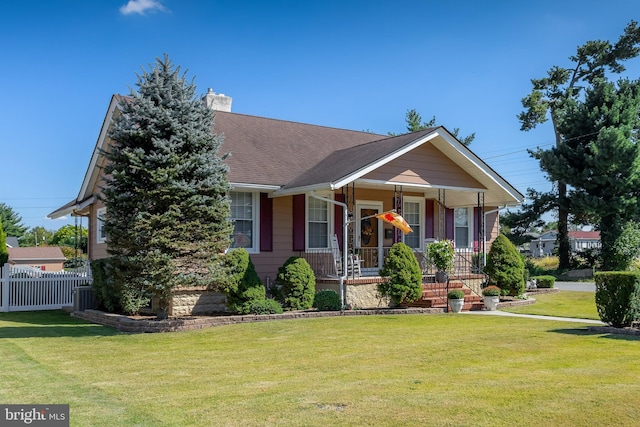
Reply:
x=369, y=238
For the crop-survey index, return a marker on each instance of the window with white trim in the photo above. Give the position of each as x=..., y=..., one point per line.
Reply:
x=244, y=217
x=101, y=233
x=462, y=221
x=319, y=224
x=413, y=213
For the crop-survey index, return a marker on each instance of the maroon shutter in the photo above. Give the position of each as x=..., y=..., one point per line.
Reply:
x=338, y=214
x=449, y=225
x=298, y=222
x=429, y=228
x=266, y=223
x=476, y=230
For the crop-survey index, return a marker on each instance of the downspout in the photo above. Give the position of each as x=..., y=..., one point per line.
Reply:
x=345, y=225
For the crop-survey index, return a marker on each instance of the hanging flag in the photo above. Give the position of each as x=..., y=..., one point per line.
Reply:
x=396, y=220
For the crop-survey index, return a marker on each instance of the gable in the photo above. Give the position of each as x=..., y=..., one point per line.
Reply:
x=425, y=165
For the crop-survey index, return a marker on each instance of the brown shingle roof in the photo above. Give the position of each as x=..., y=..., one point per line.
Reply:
x=33, y=252
x=273, y=152
x=345, y=162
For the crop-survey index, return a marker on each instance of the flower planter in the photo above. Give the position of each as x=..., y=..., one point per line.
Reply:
x=456, y=305
x=491, y=303
x=442, y=276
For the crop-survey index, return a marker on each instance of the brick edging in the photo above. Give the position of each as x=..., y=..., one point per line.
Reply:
x=126, y=324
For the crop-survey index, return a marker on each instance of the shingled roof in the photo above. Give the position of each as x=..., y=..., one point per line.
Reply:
x=273, y=152
x=52, y=253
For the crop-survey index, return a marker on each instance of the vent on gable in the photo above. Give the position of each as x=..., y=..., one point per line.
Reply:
x=217, y=101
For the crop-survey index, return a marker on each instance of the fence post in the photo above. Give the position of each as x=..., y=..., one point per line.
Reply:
x=4, y=275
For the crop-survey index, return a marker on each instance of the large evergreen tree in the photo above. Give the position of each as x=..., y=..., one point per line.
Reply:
x=599, y=159
x=550, y=95
x=166, y=186
x=11, y=221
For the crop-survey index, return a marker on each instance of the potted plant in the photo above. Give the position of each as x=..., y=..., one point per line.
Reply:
x=491, y=296
x=456, y=299
x=441, y=255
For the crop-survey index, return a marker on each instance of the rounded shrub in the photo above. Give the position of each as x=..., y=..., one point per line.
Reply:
x=265, y=306
x=327, y=300
x=401, y=267
x=298, y=284
x=240, y=283
x=618, y=297
x=545, y=281
x=505, y=266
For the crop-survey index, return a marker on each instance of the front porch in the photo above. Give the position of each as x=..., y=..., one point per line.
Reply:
x=360, y=290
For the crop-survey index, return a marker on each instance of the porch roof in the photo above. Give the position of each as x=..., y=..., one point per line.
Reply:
x=351, y=165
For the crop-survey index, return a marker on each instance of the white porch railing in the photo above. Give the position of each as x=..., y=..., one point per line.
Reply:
x=32, y=289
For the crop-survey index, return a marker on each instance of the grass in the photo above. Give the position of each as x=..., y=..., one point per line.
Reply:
x=437, y=370
x=561, y=304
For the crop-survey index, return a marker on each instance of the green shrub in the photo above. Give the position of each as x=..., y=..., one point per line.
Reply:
x=618, y=297
x=505, y=266
x=112, y=292
x=240, y=282
x=545, y=281
x=404, y=282
x=455, y=294
x=327, y=300
x=265, y=306
x=491, y=291
x=298, y=284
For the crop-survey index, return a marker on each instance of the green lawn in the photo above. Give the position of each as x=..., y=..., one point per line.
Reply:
x=440, y=370
x=561, y=304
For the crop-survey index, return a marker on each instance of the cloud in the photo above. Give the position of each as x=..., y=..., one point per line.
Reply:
x=141, y=7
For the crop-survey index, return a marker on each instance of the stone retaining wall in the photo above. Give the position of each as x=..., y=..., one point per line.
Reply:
x=128, y=324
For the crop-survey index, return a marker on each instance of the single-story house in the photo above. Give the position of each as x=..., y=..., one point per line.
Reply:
x=545, y=244
x=295, y=186
x=46, y=258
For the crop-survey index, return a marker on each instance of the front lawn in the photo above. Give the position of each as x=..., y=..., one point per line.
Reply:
x=435, y=370
x=561, y=304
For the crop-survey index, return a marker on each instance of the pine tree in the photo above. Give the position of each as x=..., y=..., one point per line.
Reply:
x=166, y=186
x=600, y=160
x=560, y=87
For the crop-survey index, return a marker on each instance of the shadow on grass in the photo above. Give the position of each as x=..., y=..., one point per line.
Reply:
x=585, y=331
x=48, y=324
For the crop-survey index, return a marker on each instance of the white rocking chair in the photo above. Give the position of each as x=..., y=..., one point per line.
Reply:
x=354, y=263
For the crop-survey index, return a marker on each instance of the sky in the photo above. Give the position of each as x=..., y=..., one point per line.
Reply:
x=347, y=64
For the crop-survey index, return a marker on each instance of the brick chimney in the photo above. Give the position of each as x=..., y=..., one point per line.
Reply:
x=217, y=101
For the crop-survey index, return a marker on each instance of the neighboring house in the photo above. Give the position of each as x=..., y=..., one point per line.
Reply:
x=46, y=258
x=290, y=182
x=545, y=244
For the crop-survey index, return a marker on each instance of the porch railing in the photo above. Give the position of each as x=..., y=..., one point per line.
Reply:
x=466, y=262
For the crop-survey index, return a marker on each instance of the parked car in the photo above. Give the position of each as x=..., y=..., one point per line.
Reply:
x=24, y=271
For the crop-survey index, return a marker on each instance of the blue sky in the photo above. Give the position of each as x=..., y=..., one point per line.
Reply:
x=348, y=64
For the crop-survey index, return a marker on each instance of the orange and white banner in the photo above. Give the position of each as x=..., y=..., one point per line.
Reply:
x=396, y=220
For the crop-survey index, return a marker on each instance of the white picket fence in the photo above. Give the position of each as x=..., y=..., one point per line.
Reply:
x=28, y=290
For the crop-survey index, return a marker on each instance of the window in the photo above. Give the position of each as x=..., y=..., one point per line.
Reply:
x=318, y=223
x=101, y=234
x=413, y=213
x=462, y=227
x=243, y=216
